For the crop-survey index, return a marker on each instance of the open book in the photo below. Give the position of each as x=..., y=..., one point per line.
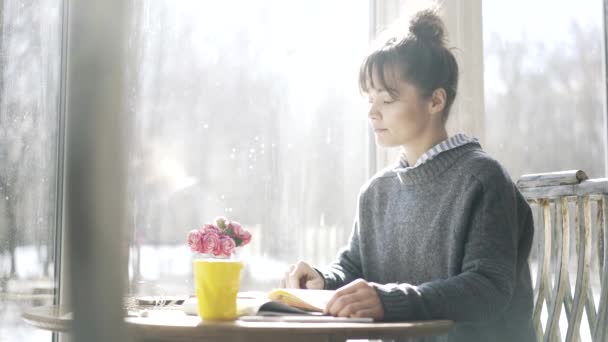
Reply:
x=311, y=301
x=289, y=305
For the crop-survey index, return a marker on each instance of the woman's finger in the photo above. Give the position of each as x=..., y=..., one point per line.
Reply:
x=350, y=309
x=346, y=290
x=337, y=304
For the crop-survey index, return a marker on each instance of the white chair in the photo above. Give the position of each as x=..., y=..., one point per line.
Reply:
x=571, y=239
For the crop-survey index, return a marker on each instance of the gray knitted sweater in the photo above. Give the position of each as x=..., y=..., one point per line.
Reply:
x=446, y=240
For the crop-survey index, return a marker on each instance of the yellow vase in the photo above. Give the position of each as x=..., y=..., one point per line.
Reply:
x=217, y=284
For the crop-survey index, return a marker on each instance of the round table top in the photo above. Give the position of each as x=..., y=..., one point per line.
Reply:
x=171, y=324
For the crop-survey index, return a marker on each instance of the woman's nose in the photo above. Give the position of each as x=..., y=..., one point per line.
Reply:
x=373, y=112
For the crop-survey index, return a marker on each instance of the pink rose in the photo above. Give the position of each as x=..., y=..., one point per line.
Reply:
x=236, y=228
x=211, y=228
x=240, y=233
x=210, y=243
x=194, y=238
x=245, y=238
x=227, y=245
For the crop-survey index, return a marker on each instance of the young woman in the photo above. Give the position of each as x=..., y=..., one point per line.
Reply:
x=444, y=234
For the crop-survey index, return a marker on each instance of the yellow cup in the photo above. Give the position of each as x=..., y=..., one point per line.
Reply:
x=217, y=284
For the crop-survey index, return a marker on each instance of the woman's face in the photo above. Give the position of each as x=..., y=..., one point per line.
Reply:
x=397, y=121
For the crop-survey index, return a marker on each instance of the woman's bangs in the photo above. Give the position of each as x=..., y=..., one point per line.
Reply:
x=379, y=71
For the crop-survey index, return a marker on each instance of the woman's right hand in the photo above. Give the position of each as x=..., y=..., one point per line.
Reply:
x=302, y=276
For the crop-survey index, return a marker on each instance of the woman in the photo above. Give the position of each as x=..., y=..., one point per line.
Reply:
x=445, y=234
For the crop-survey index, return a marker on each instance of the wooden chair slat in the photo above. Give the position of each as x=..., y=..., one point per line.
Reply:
x=544, y=263
x=583, y=251
x=600, y=332
x=552, y=331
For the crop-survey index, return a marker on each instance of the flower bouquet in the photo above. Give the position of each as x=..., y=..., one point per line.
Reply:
x=216, y=280
x=220, y=239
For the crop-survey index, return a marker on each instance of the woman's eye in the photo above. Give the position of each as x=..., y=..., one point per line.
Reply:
x=388, y=101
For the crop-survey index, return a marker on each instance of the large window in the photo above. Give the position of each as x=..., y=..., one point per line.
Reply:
x=255, y=114
x=252, y=114
x=545, y=95
x=30, y=36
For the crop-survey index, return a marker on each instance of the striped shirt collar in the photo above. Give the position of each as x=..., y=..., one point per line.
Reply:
x=446, y=145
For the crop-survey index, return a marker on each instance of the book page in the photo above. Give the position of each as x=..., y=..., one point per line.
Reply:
x=313, y=300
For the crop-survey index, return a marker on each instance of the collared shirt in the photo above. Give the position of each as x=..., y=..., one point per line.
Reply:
x=446, y=145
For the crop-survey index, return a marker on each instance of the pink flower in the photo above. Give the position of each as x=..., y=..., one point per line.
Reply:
x=227, y=245
x=236, y=228
x=245, y=238
x=194, y=238
x=210, y=243
x=211, y=228
x=242, y=234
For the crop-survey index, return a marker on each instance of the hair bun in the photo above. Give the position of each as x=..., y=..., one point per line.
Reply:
x=427, y=26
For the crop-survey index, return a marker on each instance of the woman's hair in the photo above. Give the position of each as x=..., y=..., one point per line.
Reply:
x=421, y=59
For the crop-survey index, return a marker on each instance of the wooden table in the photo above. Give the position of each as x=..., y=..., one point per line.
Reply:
x=174, y=325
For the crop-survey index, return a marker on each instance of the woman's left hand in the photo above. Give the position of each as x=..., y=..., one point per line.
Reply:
x=357, y=299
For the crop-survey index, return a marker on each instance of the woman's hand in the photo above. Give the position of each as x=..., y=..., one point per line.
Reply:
x=357, y=299
x=303, y=276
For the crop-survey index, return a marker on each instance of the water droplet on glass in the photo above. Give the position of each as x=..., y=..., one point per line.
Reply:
x=252, y=150
x=232, y=156
x=233, y=149
x=251, y=167
x=6, y=198
x=256, y=138
x=205, y=126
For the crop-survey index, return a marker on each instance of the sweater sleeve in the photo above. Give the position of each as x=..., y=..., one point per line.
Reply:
x=487, y=280
x=347, y=267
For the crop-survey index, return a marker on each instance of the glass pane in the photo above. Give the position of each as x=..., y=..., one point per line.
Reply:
x=545, y=85
x=545, y=96
x=252, y=114
x=29, y=93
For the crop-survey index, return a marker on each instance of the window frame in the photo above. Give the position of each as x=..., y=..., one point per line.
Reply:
x=59, y=290
x=87, y=128
x=605, y=72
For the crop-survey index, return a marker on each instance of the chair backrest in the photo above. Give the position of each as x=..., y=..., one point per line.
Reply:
x=571, y=235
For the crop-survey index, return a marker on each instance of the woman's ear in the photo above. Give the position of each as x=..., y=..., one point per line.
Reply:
x=437, y=103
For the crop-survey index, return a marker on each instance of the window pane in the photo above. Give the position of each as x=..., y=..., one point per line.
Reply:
x=252, y=114
x=545, y=96
x=545, y=85
x=29, y=93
